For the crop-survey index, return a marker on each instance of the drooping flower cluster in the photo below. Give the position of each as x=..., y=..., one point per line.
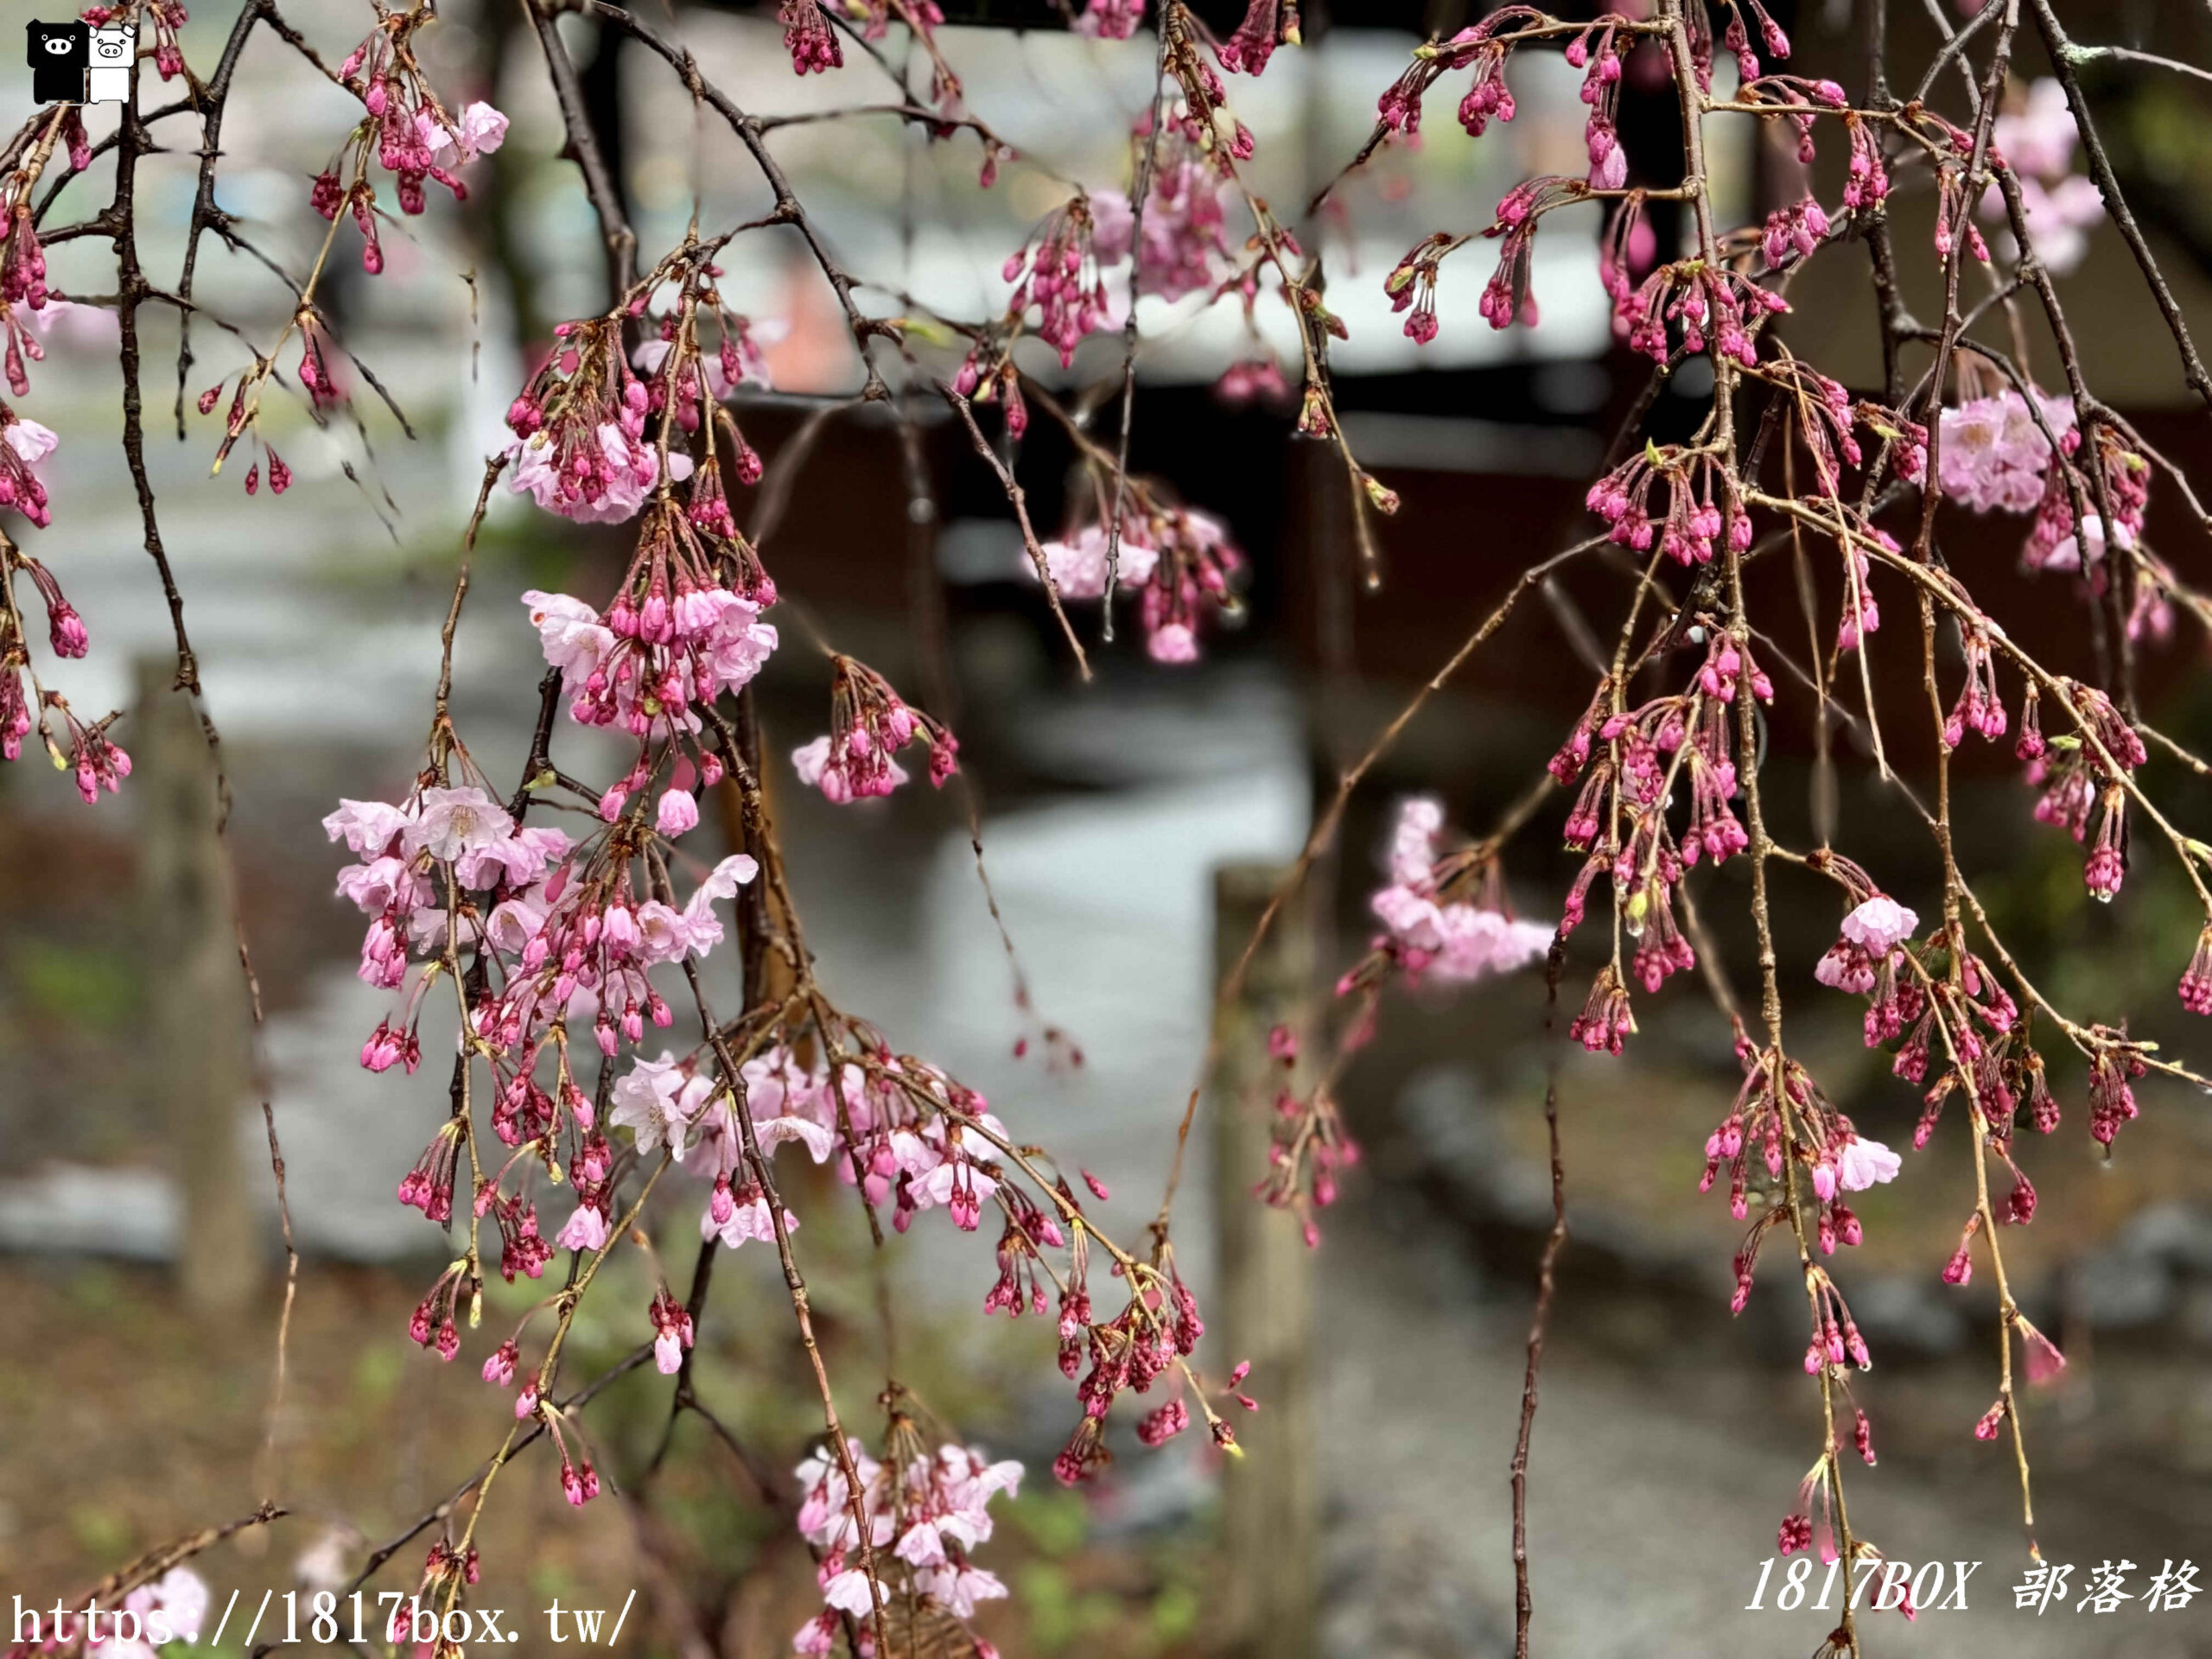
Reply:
x=2070, y=533
x=856, y=760
x=1077, y=563
x=1310, y=1144
x=1184, y=248
x=1194, y=580
x=1784, y=1116
x=2082, y=774
x=1724, y=305
x=1867, y=948
x=1431, y=931
x=683, y=628
x=672, y=1104
x=1598, y=52
x=2036, y=136
x=924, y=1515
x=677, y=375
x=1412, y=282
x=409, y=130
x=1179, y=559
x=1477, y=47
x=1630, y=786
x=1994, y=453
x=80, y=748
x=808, y=38
x=1693, y=520
x=24, y=445
x=1206, y=121
x=580, y=446
x=1267, y=24
x=1060, y=271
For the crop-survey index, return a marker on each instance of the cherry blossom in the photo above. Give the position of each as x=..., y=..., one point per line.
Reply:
x=1079, y=563
x=23, y=444
x=2036, y=139
x=1431, y=934
x=1880, y=924
x=656, y=1100
x=1994, y=454
x=924, y=1515
x=1861, y=1163
x=869, y=724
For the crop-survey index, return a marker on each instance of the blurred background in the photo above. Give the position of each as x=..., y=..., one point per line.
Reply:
x=1671, y=1438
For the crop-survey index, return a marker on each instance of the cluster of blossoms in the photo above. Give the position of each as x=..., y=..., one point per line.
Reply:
x=581, y=448
x=1724, y=306
x=897, y=1128
x=1429, y=931
x=1828, y=420
x=1799, y=1134
x=668, y=1102
x=1619, y=817
x=1995, y=455
x=1178, y=560
x=84, y=749
x=696, y=383
x=1598, y=52
x=2078, y=778
x=23, y=444
x=683, y=627
x=1184, y=248
x=855, y=760
x=1310, y=1144
x=812, y=41
x=1476, y=47
x=1060, y=271
x=924, y=1515
x=561, y=943
x=1692, y=522
x=2071, y=533
x=808, y=38
x=1078, y=563
x=2036, y=138
x=410, y=133
x=401, y=848
x=413, y=136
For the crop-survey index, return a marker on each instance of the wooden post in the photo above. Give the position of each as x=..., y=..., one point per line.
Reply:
x=198, y=1017
x=1271, y=1495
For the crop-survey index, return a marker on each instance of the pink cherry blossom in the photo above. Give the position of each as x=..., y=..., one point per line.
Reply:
x=1431, y=934
x=586, y=1230
x=676, y=814
x=26, y=444
x=1994, y=454
x=1862, y=1163
x=1880, y=924
x=452, y=821
x=2038, y=139
x=746, y=1219
x=656, y=1100
x=1079, y=563
x=367, y=827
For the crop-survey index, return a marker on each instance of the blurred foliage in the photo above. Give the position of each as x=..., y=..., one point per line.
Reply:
x=89, y=985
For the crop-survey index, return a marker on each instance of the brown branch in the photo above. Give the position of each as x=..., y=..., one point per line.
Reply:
x=2064, y=54
x=599, y=185
x=1523, y=1608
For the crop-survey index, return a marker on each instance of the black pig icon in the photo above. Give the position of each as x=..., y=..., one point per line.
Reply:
x=60, y=55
